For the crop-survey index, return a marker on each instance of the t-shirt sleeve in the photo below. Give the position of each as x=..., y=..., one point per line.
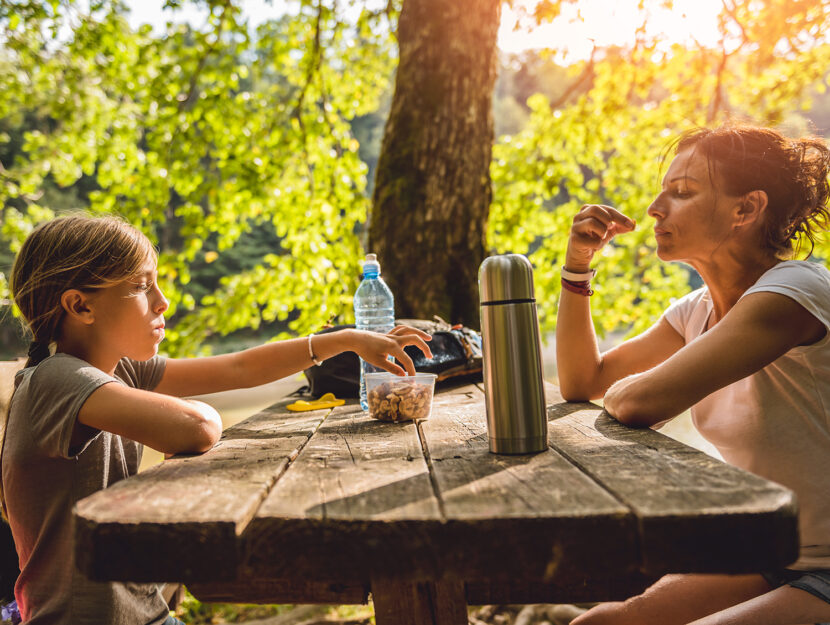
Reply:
x=806, y=283
x=679, y=313
x=57, y=390
x=143, y=374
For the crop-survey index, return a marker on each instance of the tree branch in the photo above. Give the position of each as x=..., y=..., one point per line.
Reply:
x=194, y=78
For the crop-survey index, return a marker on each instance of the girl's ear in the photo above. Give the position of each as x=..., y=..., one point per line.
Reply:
x=751, y=208
x=76, y=306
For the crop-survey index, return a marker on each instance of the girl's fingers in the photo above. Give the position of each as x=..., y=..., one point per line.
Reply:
x=390, y=366
x=409, y=330
x=404, y=359
x=418, y=342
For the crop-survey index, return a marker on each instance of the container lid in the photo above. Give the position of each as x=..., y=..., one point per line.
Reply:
x=505, y=278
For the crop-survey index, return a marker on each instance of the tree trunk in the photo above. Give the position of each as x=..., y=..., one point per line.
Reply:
x=432, y=188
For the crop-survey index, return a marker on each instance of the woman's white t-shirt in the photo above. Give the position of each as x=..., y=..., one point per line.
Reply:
x=776, y=422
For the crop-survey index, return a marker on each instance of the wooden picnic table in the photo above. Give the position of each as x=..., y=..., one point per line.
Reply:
x=328, y=506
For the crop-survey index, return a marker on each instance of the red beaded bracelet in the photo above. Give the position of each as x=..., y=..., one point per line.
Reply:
x=580, y=288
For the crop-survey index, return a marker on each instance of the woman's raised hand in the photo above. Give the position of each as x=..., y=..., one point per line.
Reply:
x=375, y=348
x=593, y=226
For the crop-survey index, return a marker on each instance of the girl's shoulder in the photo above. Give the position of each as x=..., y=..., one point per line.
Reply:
x=72, y=370
x=58, y=372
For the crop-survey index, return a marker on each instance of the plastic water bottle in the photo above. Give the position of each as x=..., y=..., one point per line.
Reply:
x=374, y=310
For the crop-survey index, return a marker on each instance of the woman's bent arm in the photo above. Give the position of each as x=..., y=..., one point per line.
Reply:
x=585, y=373
x=756, y=331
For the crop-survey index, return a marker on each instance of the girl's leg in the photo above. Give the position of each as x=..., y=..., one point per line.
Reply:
x=678, y=600
x=783, y=606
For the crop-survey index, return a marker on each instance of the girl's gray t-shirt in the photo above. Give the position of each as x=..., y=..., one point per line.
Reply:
x=43, y=478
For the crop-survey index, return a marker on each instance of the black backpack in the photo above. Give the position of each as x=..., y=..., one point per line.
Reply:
x=456, y=354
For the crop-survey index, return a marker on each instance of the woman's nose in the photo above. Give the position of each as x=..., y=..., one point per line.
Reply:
x=656, y=211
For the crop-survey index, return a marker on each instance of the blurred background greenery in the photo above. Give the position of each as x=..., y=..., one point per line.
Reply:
x=245, y=142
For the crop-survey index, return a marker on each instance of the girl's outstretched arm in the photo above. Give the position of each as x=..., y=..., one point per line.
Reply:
x=756, y=331
x=272, y=361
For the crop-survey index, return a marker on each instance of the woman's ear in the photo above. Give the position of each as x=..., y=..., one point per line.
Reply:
x=76, y=305
x=751, y=208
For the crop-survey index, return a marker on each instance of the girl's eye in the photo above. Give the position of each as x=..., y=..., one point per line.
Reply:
x=145, y=287
x=681, y=193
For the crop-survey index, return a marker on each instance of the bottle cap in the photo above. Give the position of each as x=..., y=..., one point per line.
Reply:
x=371, y=265
x=505, y=278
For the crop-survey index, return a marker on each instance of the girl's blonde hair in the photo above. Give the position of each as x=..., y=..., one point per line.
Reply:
x=74, y=252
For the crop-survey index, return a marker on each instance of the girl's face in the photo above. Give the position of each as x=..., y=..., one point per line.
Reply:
x=129, y=316
x=693, y=214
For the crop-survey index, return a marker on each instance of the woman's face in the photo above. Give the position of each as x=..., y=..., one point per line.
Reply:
x=694, y=216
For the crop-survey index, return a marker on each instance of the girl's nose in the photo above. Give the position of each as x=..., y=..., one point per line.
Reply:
x=160, y=303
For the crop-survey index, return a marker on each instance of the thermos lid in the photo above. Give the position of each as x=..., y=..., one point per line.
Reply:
x=505, y=278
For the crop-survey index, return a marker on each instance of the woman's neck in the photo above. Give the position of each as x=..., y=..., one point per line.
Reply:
x=728, y=278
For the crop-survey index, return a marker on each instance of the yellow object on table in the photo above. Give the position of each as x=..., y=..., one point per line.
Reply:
x=326, y=401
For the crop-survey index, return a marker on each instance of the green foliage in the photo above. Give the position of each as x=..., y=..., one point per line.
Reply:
x=201, y=138
x=603, y=146
x=245, y=154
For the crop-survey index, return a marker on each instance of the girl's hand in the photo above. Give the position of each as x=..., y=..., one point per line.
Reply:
x=593, y=226
x=375, y=348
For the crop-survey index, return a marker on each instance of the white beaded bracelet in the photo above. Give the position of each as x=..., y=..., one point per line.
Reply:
x=311, y=352
x=578, y=277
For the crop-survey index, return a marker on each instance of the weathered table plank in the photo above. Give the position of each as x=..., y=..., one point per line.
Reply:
x=358, y=490
x=181, y=520
x=694, y=512
x=557, y=525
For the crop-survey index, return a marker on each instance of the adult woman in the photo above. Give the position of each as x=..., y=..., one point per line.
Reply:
x=749, y=353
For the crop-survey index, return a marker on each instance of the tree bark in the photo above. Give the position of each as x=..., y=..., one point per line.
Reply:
x=432, y=187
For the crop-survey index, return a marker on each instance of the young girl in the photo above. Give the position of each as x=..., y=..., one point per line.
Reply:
x=749, y=353
x=79, y=418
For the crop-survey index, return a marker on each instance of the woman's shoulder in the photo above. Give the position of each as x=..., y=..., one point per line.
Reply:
x=689, y=302
x=805, y=282
x=688, y=313
x=812, y=279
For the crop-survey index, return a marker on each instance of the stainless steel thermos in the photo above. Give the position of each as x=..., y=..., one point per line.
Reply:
x=513, y=387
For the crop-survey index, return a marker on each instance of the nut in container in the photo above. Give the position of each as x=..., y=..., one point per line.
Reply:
x=397, y=398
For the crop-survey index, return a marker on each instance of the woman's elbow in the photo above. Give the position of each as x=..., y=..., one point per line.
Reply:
x=629, y=416
x=576, y=391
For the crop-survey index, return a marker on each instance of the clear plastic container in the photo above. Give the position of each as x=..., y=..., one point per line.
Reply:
x=400, y=398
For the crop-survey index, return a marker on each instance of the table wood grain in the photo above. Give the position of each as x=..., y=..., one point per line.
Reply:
x=329, y=506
